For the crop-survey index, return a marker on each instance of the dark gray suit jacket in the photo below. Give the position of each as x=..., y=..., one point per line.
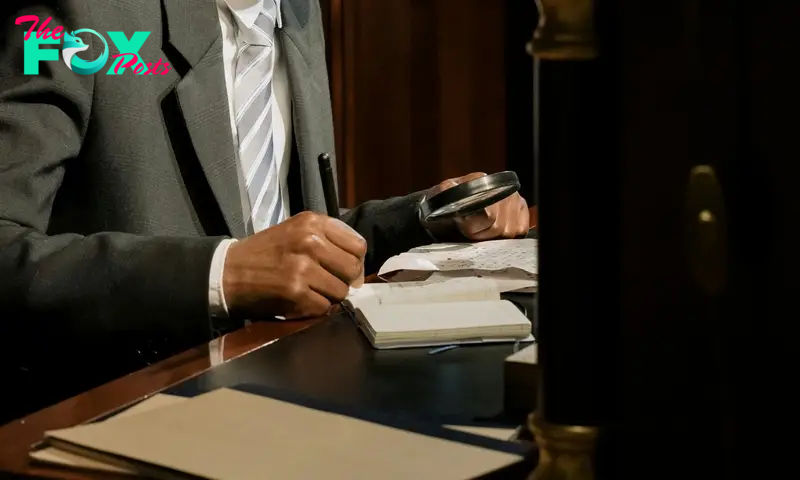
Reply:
x=115, y=190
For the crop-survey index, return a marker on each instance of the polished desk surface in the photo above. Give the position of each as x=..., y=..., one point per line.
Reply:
x=323, y=358
x=328, y=360
x=17, y=437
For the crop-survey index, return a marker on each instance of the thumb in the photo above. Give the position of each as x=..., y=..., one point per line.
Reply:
x=469, y=177
x=453, y=182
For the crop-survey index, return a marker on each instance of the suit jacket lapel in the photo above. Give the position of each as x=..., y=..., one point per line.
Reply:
x=295, y=18
x=193, y=30
x=310, y=96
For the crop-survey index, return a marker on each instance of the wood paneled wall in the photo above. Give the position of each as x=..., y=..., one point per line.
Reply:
x=419, y=92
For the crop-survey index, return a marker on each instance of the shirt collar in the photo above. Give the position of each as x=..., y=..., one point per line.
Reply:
x=246, y=11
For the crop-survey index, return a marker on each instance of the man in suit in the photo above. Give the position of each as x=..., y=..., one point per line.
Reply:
x=122, y=196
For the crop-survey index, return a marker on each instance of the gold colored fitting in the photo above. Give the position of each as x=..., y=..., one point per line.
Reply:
x=565, y=30
x=566, y=452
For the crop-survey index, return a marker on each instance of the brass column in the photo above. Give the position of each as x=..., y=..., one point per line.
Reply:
x=565, y=424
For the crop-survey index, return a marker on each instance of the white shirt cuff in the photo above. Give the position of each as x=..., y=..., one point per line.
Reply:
x=216, y=296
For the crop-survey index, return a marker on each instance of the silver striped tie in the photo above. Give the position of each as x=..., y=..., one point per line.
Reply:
x=253, y=102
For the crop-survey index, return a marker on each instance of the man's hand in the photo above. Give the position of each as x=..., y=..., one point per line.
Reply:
x=295, y=269
x=508, y=218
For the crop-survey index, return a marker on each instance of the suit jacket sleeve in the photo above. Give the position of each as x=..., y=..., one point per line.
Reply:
x=390, y=227
x=105, y=283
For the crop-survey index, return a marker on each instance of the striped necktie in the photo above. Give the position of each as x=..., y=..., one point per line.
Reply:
x=253, y=104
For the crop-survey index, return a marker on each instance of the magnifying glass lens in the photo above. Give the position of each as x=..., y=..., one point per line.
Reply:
x=468, y=205
x=470, y=197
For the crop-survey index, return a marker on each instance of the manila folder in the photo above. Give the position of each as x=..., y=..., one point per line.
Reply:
x=232, y=435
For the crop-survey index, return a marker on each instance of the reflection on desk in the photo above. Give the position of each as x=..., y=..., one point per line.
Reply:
x=335, y=363
x=17, y=437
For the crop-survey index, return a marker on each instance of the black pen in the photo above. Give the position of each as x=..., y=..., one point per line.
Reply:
x=328, y=185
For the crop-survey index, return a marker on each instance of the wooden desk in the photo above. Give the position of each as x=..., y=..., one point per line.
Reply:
x=17, y=437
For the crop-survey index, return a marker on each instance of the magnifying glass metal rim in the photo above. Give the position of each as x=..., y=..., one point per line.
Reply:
x=505, y=183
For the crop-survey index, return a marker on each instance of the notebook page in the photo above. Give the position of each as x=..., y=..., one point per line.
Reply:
x=449, y=290
x=520, y=254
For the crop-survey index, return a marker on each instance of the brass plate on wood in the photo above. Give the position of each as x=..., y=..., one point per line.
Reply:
x=706, y=239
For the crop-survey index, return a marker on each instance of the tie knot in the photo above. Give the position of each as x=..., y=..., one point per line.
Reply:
x=262, y=31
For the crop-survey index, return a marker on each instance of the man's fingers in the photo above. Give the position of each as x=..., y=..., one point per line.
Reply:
x=344, y=237
x=498, y=214
x=477, y=222
x=516, y=220
x=340, y=263
x=506, y=219
x=524, y=218
x=326, y=284
x=511, y=226
x=470, y=176
x=452, y=182
x=312, y=304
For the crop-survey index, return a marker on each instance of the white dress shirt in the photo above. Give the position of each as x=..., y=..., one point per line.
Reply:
x=246, y=12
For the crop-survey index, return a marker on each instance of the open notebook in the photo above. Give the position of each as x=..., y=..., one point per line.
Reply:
x=420, y=314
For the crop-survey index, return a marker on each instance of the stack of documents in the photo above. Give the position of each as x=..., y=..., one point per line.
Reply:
x=511, y=264
x=234, y=435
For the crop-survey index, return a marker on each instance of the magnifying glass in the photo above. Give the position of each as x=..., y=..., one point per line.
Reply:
x=469, y=197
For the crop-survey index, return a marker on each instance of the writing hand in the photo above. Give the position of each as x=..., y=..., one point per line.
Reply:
x=296, y=269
